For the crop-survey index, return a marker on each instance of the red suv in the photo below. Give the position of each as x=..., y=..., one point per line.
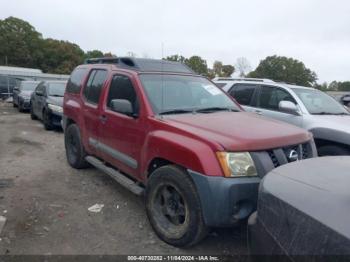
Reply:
x=163, y=131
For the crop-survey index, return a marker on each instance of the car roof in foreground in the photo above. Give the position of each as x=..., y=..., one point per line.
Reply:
x=318, y=187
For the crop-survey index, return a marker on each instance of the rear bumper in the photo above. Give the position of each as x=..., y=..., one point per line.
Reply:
x=24, y=104
x=226, y=201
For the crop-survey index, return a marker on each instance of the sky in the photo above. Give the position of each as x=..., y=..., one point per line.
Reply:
x=316, y=32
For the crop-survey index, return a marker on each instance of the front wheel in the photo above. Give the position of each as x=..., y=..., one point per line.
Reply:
x=47, y=120
x=74, y=147
x=173, y=207
x=32, y=115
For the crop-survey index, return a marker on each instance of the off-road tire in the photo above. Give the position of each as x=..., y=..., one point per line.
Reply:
x=74, y=147
x=193, y=228
x=333, y=150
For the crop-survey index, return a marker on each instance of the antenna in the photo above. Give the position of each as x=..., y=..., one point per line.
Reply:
x=162, y=76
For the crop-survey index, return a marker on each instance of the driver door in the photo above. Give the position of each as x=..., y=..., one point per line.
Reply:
x=268, y=104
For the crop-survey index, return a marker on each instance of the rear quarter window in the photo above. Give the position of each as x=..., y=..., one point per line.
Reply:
x=75, y=81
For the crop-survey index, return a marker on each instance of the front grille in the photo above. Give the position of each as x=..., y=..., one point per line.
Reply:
x=273, y=158
x=281, y=156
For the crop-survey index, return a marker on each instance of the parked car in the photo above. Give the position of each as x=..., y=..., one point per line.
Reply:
x=305, y=107
x=22, y=93
x=46, y=103
x=161, y=130
x=303, y=209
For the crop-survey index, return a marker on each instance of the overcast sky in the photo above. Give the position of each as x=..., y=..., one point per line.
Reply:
x=316, y=32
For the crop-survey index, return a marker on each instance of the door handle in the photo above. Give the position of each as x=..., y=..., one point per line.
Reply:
x=103, y=118
x=258, y=112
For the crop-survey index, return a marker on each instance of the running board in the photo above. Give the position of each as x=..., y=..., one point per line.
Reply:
x=116, y=175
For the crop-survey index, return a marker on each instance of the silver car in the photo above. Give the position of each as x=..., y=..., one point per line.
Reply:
x=309, y=108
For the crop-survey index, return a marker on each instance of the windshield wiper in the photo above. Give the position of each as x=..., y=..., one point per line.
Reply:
x=176, y=111
x=55, y=95
x=333, y=114
x=215, y=109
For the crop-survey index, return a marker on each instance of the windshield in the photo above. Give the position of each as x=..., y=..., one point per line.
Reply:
x=57, y=89
x=180, y=94
x=28, y=86
x=317, y=102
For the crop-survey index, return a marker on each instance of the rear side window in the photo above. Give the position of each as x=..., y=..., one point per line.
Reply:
x=243, y=93
x=93, y=88
x=74, y=82
x=122, y=88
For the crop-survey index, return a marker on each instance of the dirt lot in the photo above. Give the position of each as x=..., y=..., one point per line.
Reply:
x=46, y=202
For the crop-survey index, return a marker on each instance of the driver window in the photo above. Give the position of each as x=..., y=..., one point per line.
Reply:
x=270, y=97
x=122, y=88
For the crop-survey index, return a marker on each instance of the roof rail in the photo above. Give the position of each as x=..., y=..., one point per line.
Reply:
x=243, y=79
x=142, y=64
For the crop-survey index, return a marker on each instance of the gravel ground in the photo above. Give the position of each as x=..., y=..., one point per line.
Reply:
x=46, y=202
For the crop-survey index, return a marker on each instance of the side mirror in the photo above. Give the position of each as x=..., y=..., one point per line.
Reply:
x=16, y=88
x=288, y=107
x=39, y=93
x=122, y=106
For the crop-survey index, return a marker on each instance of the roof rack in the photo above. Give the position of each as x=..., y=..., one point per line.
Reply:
x=142, y=64
x=243, y=79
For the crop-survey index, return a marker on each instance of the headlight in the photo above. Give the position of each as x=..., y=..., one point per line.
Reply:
x=55, y=108
x=237, y=164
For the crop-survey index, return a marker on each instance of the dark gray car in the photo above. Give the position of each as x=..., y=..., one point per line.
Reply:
x=46, y=103
x=303, y=209
x=22, y=93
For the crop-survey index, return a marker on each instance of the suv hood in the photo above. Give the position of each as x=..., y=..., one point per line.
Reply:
x=55, y=100
x=340, y=123
x=240, y=131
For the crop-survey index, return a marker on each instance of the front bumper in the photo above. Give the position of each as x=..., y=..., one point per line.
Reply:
x=56, y=118
x=226, y=201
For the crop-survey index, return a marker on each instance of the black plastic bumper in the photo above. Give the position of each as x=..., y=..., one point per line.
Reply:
x=55, y=118
x=226, y=201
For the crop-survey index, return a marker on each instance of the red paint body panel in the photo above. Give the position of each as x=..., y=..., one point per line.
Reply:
x=189, y=140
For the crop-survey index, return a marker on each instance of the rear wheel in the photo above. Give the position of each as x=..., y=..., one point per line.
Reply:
x=47, y=120
x=74, y=148
x=173, y=207
x=332, y=150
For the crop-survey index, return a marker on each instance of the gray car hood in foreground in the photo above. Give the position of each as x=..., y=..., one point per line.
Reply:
x=341, y=123
x=55, y=100
x=306, y=205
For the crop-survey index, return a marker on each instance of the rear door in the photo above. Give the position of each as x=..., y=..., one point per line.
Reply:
x=268, y=101
x=245, y=95
x=91, y=106
x=122, y=136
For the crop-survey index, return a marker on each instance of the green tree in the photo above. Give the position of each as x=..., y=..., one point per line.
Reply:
x=197, y=64
x=176, y=58
x=344, y=86
x=227, y=70
x=322, y=87
x=20, y=43
x=93, y=54
x=217, y=68
x=284, y=69
x=60, y=56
